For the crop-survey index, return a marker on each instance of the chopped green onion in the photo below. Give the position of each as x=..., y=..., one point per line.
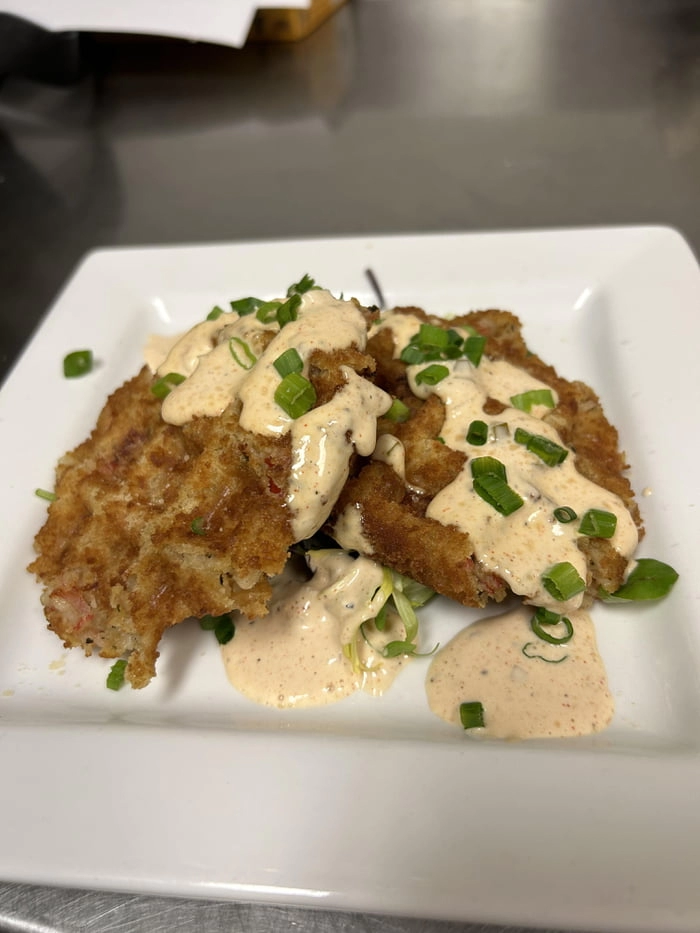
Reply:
x=432, y=342
x=398, y=412
x=266, y=312
x=548, y=451
x=77, y=363
x=526, y=400
x=650, y=579
x=597, y=523
x=222, y=627
x=565, y=514
x=246, y=305
x=541, y=657
x=295, y=394
x=485, y=465
x=215, y=313
x=115, y=678
x=45, y=494
x=432, y=336
x=472, y=715
x=496, y=491
x=412, y=354
x=562, y=581
x=474, y=349
x=432, y=374
x=546, y=617
x=288, y=362
x=478, y=433
x=163, y=386
x=197, y=525
x=305, y=284
x=288, y=312
x=251, y=357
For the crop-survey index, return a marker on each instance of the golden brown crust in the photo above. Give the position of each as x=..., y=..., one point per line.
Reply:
x=393, y=512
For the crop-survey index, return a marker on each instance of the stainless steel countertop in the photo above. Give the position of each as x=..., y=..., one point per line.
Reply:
x=393, y=117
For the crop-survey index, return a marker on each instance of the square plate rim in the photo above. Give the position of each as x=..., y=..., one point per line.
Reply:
x=390, y=760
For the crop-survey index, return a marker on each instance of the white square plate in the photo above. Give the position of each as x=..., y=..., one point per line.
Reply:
x=374, y=804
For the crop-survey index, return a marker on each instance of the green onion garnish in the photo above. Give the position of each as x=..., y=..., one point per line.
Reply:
x=215, y=313
x=77, y=363
x=474, y=349
x=45, y=494
x=562, y=581
x=197, y=525
x=115, y=678
x=472, y=715
x=484, y=465
x=541, y=657
x=544, y=617
x=496, y=491
x=288, y=312
x=650, y=579
x=246, y=305
x=222, y=627
x=478, y=433
x=526, y=400
x=432, y=343
x=295, y=394
x=597, y=523
x=398, y=412
x=565, y=514
x=305, y=284
x=432, y=374
x=548, y=451
x=251, y=358
x=288, y=362
x=162, y=387
x=266, y=312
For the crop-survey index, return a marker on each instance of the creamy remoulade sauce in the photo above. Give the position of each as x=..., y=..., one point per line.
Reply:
x=294, y=656
x=521, y=546
x=528, y=688
x=233, y=357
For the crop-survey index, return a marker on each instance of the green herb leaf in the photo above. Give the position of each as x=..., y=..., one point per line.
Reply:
x=244, y=306
x=394, y=648
x=472, y=715
x=305, y=284
x=295, y=395
x=650, y=579
x=597, y=523
x=163, y=386
x=116, y=676
x=77, y=363
x=562, y=581
x=288, y=312
x=222, y=627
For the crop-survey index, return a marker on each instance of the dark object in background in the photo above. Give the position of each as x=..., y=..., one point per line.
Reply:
x=35, y=53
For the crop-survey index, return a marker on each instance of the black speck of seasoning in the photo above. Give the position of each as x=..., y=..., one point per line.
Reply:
x=484, y=672
x=349, y=605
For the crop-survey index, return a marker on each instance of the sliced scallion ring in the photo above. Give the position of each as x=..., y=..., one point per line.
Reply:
x=116, y=676
x=496, y=491
x=565, y=514
x=478, y=433
x=598, y=523
x=526, y=400
x=474, y=349
x=398, y=412
x=295, y=395
x=163, y=386
x=215, y=313
x=245, y=306
x=288, y=312
x=548, y=451
x=77, y=363
x=545, y=617
x=250, y=358
x=45, y=494
x=289, y=362
x=483, y=465
x=471, y=715
x=562, y=581
x=432, y=374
